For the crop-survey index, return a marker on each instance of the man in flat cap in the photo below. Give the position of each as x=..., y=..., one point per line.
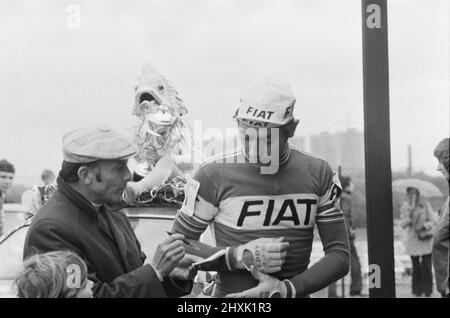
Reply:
x=79, y=218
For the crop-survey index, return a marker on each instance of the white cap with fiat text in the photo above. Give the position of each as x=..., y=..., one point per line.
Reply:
x=267, y=103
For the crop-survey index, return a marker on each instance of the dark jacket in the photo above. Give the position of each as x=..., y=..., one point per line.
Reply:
x=441, y=253
x=104, y=239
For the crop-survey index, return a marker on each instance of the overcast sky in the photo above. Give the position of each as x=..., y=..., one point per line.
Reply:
x=54, y=78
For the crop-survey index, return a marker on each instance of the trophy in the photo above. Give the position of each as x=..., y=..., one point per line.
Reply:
x=161, y=131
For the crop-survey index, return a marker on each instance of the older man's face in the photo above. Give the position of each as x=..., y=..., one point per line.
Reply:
x=111, y=180
x=6, y=179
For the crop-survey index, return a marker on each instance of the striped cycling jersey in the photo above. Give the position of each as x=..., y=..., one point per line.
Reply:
x=241, y=205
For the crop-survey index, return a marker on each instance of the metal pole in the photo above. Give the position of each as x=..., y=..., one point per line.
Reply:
x=409, y=172
x=380, y=236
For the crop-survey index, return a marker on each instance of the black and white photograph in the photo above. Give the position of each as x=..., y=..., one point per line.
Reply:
x=243, y=150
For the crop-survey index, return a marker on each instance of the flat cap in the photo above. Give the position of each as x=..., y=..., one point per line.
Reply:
x=92, y=144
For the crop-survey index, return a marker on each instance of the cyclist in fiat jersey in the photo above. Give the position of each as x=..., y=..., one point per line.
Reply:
x=262, y=206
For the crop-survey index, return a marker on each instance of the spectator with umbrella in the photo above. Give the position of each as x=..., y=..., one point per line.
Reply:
x=426, y=188
x=418, y=220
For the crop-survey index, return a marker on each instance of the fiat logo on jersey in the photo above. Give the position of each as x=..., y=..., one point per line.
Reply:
x=289, y=211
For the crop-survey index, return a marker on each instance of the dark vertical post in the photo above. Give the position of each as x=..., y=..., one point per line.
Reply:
x=380, y=225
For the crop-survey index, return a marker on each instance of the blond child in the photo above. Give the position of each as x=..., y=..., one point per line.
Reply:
x=60, y=274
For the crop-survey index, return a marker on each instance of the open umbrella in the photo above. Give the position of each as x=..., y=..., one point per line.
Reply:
x=426, y=188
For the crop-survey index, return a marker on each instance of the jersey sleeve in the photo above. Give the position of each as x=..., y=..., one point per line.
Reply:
x=200, y=206
x=328, y=209
x=332, y=266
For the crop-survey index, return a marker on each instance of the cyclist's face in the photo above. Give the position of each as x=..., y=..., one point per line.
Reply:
x=261, y=145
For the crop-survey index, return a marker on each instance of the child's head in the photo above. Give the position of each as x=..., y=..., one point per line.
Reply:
x=47, y=176
x=54, y=275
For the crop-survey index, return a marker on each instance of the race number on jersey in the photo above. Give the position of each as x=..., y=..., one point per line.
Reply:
x=190, y=196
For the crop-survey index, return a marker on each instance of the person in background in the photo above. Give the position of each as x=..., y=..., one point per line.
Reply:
x=59, y=274
x=7, y=173
x=441, y=236
x=355, y=265
x=42, y=193
x=48, y=177
x=418, y=220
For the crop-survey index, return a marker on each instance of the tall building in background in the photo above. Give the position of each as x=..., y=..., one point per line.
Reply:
x=345, y=149
x=352, y=148
x=299, y=142
x=325, y=146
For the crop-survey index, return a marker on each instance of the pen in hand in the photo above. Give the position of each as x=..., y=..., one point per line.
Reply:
x=184, y=241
